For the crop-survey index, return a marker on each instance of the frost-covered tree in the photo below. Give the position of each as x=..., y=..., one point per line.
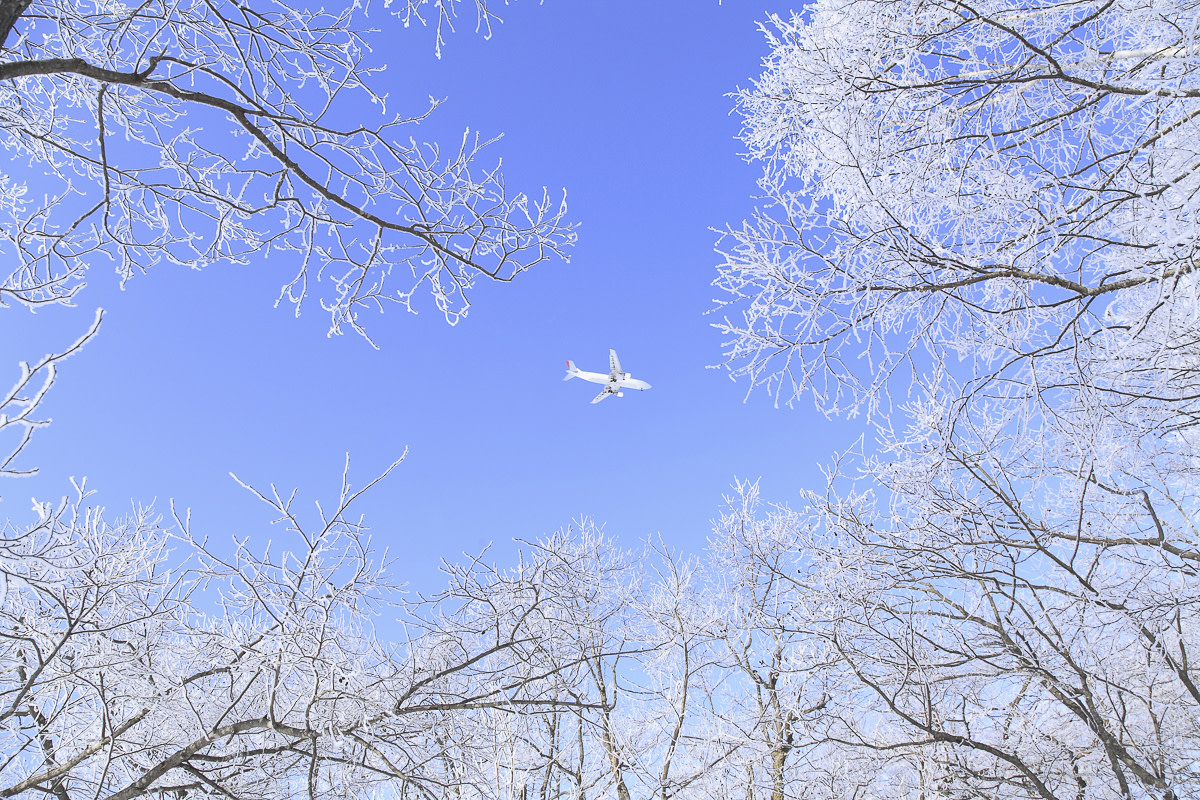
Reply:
x=980, y=227
x=1015, y=187
x=977, y=641
x=584, y=750
x=773, y=669
x=188, y=132
x=646, y=685
x=141, y=661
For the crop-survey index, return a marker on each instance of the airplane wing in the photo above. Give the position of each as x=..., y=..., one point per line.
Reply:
x=607, y=391
x=613, y=363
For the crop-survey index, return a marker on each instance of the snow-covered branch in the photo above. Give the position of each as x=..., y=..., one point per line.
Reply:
x=188, y=132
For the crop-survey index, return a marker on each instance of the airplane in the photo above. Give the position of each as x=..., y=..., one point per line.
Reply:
x=614, y=381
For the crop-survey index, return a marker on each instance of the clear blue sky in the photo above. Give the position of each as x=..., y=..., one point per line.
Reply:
x=625, y=104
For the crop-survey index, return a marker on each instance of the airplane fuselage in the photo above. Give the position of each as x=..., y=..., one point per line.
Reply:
x=622, y=382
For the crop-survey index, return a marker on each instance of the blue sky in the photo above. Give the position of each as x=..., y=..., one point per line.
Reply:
x=625, y=104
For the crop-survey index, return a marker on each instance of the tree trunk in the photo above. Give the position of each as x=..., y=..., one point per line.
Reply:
x=778, y=760
x=10, y=12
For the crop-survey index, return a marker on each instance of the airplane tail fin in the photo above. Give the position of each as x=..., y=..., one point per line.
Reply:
x=572, y=370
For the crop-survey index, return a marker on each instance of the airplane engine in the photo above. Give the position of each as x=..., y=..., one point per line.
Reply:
x=620, y=394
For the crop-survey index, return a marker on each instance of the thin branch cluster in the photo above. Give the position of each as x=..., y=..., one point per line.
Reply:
x=192, y=132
